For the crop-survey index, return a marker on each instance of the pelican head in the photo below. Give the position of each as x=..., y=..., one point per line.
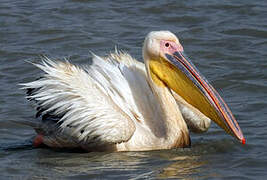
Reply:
x=168, y=67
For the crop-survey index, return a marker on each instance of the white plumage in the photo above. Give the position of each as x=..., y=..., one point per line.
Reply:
x=109, y=105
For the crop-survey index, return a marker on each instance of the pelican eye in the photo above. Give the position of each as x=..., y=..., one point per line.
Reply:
x=167, y=45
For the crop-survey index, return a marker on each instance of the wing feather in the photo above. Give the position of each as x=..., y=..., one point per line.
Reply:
x=93, y=103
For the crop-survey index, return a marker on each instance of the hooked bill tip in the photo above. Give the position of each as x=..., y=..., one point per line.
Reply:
x=243, y=141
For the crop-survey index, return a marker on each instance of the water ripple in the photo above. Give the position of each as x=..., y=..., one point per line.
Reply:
x=225, y=39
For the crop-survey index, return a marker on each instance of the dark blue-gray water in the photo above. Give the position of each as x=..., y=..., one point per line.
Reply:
x=227, y=41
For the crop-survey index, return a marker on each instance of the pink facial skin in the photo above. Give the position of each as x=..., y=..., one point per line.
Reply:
x=170, y=47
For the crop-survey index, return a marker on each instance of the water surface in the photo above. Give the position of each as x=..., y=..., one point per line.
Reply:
x=226, y=40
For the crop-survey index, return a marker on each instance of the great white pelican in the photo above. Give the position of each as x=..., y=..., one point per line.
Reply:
x=120, y=104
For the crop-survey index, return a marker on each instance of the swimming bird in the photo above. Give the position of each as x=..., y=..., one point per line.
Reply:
x=120, y=104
